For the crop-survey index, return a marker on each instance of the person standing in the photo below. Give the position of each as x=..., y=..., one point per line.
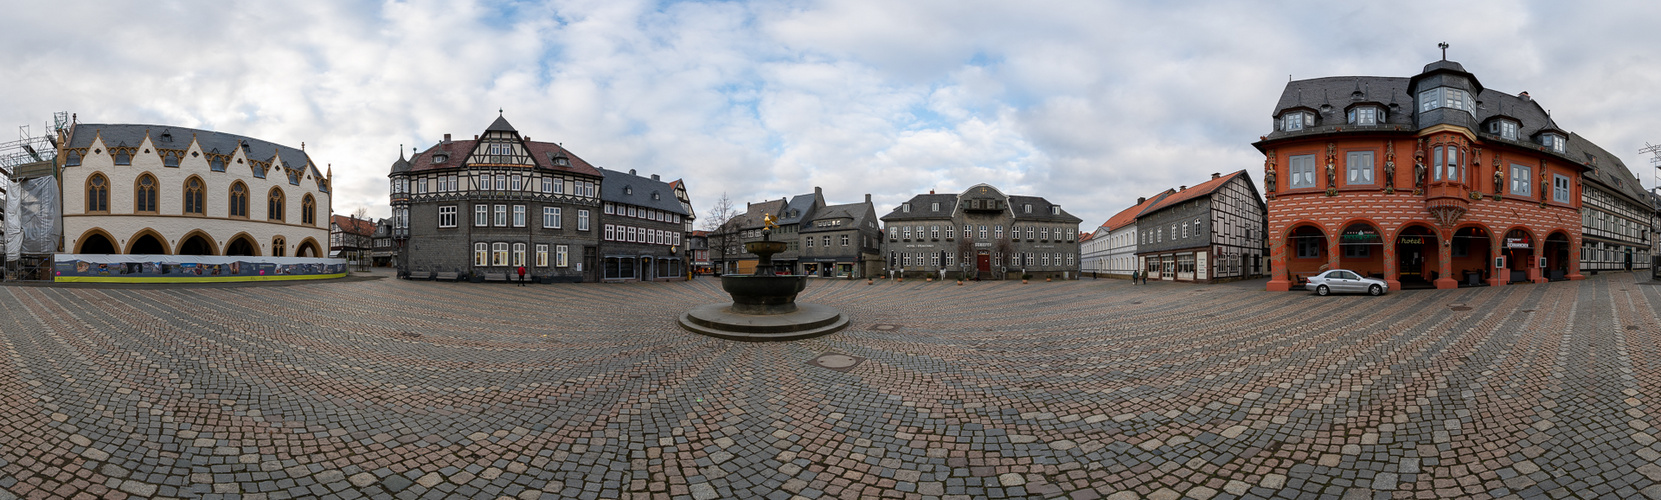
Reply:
x=521, y=275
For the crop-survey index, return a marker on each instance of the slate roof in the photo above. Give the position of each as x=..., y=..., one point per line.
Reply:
x=131, y=135
x=402, y=165
x=1608, y=169
x=859, y=212
x=920, y=208
x=1128, y=216
x=1337, y=93
x=631, y=189
x=799, y=209
x=353, y=226
x=500, y=125
x=1040, y=210
x=1204, y=189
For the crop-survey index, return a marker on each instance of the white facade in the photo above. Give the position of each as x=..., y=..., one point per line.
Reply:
x=1120, y=258
x=88, y=154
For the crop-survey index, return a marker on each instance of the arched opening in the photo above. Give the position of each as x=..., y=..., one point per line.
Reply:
x=1416, y=257
x=147, y=244
x=98, y=194
x=308, y=248
x=241, y=245
x=144, y=194
x=1519, y=251
x=196, y=244
x=1361, y=248
x=195, y=198
x=279, y=246
x=96, y=243
x=239, y=200
x=1472, y=249
x=1305, y=252
x=1556, y=252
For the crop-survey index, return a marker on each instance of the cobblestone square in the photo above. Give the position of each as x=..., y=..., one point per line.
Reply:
x=384, y=388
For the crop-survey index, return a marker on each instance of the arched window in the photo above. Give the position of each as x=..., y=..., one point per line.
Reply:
x=279, y=247
x=274, y=205
x=239, y=200
x=144, y=194
x=194, y=197
x=98, y=193
x=308, y=211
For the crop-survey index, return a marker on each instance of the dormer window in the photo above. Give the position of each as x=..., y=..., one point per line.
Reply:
x=1555, y=142
x=1296, y=120
x=1027, y=208
x=1506, y=129
x=1366, y=115
x=905, y=208
x=1055, y=210
x=934, y=207
x=1446, y=97
x=440, y=158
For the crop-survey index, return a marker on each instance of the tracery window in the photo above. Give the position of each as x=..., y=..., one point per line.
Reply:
x=144, y=194
x=98, y=193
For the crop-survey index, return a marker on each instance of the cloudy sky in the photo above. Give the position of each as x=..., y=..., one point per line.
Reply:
x=1088, y=103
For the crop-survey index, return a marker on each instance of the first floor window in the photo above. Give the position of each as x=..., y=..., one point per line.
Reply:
x=481, y=215
x=934, y=259
x=481, y=254
x=1359, y=168
x=562, y=256
x=447, y=216
x=499, y=254
x=1520, y=180
x=541, y=255
x=518, y=254
x=948, y=231
x=518, y=216
x=501, y=215
x=1560, y=188
x=1302, y=172
x=550, y=217
x=982, y=232
x=582, y=220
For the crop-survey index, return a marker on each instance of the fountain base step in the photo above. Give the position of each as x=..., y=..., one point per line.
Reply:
x=718, y=320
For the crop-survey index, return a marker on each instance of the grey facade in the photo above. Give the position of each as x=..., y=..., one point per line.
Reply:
x=789, y=213
x=841, y=241
x=1207, y=233
x=481, y=208
x=644, y=229
x=1617, y=232
x=981, y=233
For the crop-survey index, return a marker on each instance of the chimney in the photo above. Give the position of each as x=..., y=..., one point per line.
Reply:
x=654, y=177
x=475, y=137
x=1215, y=175
x=1524, y=95
x=446, y=138
x=818, y=192
x=931, y=191
x=867, y=197
x=1183, y=188
x=1141, y=199
x=631, y=171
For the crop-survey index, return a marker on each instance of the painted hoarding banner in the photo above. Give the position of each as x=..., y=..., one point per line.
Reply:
x=101, y=268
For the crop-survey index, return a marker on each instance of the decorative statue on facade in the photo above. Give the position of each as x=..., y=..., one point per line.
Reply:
x=1499, y=180
x=1419, y=171
x=1544, y=183
x=1331, y=169
x=1475, y=184
x=1390, y=167
x=1269, y=174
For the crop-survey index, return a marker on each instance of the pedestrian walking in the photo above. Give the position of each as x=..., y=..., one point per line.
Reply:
x=521, y=275
x=1133, y=276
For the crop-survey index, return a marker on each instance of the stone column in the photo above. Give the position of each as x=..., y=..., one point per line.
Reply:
x=1280, y=279
x=1500, y=275
x=1444, y=264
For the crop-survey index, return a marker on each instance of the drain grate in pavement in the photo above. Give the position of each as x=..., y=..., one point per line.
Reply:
x=1460, y=308
x=409, y=335
x=835, y=361
x=1632, y=327
x=885, y=327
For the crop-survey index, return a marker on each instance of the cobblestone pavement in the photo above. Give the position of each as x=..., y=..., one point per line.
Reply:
x=394, y=389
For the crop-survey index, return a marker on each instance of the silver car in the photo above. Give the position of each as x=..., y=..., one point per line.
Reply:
x=1345, y=281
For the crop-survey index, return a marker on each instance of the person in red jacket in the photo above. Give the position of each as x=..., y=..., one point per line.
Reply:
x=521, y=275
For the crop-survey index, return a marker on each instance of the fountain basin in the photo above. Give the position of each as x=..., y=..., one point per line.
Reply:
x=763, y=295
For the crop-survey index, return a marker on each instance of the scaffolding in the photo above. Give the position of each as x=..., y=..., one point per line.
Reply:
x=27, y=149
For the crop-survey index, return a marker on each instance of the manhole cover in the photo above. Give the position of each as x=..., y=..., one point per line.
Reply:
x=834, y=361
x=1460, y=308
x=409, y=335
x=1632, y=327
x=1528, y=310
x=884, y=327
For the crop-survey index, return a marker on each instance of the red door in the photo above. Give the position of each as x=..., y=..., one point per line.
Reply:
x=983, y=262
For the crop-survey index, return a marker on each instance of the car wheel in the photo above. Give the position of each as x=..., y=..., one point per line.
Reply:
x=1376, y=290
x=1322, y=290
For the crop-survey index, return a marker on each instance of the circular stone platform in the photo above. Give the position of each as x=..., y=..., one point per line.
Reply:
x=718, y=320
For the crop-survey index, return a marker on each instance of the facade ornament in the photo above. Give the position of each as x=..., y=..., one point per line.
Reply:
x=1544, y=178
x=1499, y=180
x=1331, y=169
x=1389, y=167
x=1269, y=174
x=1419, y=169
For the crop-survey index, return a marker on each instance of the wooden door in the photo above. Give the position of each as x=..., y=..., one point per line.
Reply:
x=983, y=261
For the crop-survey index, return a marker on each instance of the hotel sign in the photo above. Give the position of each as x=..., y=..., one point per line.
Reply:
x=1517, y=243
x=1411, y=240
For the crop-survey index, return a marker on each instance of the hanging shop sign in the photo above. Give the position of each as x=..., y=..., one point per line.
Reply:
x=1517, y=243
x=1359, y=236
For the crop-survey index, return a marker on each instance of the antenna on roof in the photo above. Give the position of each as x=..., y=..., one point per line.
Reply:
x=1654, y=161
x=1444, y=46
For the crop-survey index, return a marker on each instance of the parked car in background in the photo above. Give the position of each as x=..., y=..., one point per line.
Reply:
x=1345, y=281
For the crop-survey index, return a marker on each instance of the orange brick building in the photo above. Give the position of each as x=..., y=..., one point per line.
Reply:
x=1430, y=180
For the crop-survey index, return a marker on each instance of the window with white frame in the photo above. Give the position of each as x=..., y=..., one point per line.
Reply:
x=518, y=181
x=1365, y=115
x=562, y=256
x=1301, y=170
x=501, y=215
x=1359, y=168
x=481, y=254
x=518, y=254
x=845, y=237
x=499, y=254
x=550, y=217
x=481, y=215
x=501, y=182
x=1506, y=129
x=1555, y=142
x=447, y=216
x=934, y=232
x=982, y=231
x=905, y=232
x=1521, y=176
x=541, y=255
x=1296, y=120
x=611, y=232
x=582, y=220
x=518, y=216
x=1446, y=97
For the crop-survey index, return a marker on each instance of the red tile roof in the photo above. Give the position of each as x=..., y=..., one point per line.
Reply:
x=354, y=226
x=540, y=152
x=1128, y=216
x=1203, y=189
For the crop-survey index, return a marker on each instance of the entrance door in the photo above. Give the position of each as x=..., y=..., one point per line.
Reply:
x=591, y=264
x=983, y=261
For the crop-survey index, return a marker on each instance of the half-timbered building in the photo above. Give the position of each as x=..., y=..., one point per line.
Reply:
x=1207, y=233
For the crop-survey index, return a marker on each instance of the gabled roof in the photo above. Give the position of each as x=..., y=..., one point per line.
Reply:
x=858, y=212
x=170, y=137
x=1128, y=216
x=920, y=205
x=631, y=189
x=1608, y=169
x=542, y=153
x=799, y=209
x=353, y=226
x=1202, y=190
x=751, y=218
x=500, y=125
x=1040, y=210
